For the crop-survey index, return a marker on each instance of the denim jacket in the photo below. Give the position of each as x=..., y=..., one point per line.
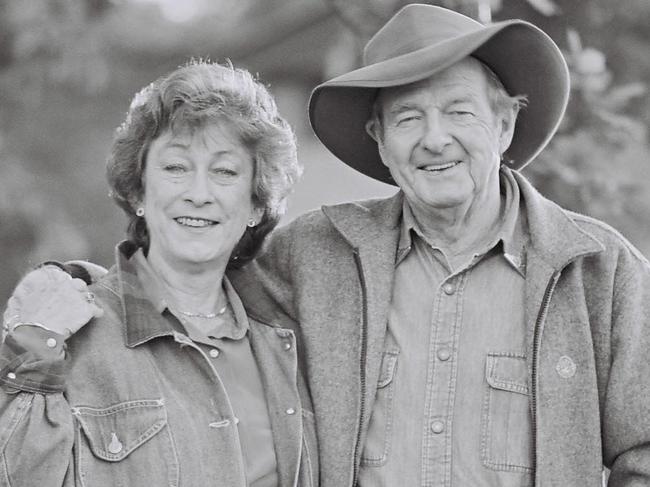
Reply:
x=141, y=404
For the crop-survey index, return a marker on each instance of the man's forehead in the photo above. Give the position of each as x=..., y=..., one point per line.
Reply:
x=465, y=78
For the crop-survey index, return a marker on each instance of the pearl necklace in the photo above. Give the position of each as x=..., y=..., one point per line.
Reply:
x=205, y=316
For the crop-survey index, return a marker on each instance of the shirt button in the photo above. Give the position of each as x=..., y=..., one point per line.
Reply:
x=444, y=354
x=11, y=375
x=449, y=288
x=437, y=427
x=50, y=342
x=214, y=353
x=291, y=411
x=287, y=346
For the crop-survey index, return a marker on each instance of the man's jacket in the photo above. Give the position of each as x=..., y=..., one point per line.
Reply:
x=329, y=275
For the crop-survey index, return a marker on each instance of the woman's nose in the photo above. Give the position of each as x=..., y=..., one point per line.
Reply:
x=198, y=191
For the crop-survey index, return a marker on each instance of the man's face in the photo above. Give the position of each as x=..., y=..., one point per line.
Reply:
x=441, y=139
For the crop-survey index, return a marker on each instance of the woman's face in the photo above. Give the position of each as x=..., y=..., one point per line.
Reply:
x=197, y=195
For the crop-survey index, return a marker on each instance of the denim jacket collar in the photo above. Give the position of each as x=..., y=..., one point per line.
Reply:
x=139, y=314
x=137, y=311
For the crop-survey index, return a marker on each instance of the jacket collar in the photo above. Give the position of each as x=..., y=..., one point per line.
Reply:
x=554, y=236
x=363, y=223
x=141, y=320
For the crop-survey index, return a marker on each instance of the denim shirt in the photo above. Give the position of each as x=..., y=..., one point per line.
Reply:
x=141, y=404
x=452, y=405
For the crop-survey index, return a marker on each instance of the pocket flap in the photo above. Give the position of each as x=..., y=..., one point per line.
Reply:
x=388, y=365
x=114, y=432
x=507, y=371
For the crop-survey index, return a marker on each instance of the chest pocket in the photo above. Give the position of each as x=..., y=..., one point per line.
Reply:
x=377, y=445
x=506, y=436
x=125, y=444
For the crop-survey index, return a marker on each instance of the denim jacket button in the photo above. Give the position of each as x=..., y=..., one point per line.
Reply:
x=115, y=446
x=214, y=353
x=449, y=288
x=291, y=411
x=11, y=375
x=437, y=427
x=444, y=354
x=287, y=346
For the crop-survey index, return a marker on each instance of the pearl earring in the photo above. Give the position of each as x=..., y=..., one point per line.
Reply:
x=251, y=223
x=140, y=212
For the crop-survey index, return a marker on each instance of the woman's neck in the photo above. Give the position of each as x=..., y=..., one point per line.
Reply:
x=196, y=288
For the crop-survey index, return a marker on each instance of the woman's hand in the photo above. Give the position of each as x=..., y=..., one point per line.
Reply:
x=50, y=297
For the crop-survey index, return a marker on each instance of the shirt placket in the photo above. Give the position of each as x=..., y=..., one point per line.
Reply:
x=211, y=354
x=441, y=381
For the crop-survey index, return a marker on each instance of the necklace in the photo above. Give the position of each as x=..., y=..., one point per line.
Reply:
x=205, y=316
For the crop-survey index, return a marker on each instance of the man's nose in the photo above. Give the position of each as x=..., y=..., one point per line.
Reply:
x=198, y=191
x=436, y=135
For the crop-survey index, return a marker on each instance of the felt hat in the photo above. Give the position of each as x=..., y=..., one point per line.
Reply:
x=421, y=40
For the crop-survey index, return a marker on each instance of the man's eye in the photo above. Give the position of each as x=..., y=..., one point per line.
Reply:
x=407, y=119
x=461, y=112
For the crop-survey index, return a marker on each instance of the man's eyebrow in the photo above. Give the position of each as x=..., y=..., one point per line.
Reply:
x=400, y=107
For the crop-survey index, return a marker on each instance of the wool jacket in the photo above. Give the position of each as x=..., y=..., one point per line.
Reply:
x=328, y=275
x=140, y=404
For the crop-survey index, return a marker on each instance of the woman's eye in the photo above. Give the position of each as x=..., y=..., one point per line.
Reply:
x=174, y=168
x=224, y=171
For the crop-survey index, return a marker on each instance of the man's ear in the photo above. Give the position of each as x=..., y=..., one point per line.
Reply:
x=373, y=128
x=507, y=120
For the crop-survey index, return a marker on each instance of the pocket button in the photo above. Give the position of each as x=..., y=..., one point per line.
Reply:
x=115, y=446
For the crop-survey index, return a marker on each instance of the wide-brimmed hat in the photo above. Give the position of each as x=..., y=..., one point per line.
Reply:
x=421, y=40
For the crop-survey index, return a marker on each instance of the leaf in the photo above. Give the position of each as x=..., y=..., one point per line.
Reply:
x=546, y=7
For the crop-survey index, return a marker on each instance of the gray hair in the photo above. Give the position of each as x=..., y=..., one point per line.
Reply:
x=190, y=97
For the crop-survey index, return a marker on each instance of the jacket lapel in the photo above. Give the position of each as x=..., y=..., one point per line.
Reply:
x=279, y=373
x=555, y=241
x=372, y=230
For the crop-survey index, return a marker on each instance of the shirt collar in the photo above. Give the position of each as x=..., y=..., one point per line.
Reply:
x=511, y=235
x=144, y=302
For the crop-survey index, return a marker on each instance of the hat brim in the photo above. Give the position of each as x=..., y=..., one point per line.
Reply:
x=524, y=58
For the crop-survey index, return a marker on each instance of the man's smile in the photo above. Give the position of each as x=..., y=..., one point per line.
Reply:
x=439, y=167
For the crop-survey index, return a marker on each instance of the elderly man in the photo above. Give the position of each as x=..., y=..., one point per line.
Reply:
x=467, y=331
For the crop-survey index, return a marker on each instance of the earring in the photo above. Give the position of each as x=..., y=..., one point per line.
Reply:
x=140, y=212
x=251, y=223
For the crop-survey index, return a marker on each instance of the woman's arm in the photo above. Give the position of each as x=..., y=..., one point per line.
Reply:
x=36, y=426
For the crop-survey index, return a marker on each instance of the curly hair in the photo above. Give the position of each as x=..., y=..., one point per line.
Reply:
x=193, y=95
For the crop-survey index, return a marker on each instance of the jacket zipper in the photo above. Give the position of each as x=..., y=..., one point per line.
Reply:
x=362, y=365
x=537, y=336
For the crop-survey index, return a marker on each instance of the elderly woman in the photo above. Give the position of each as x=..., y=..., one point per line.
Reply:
x=172, y=383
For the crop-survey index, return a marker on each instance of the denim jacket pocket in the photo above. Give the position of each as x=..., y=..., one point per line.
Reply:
x=377, y=446
x=125, y=444
x=506, y=436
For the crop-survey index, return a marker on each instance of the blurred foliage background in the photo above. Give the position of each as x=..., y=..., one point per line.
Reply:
x=68, y=69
